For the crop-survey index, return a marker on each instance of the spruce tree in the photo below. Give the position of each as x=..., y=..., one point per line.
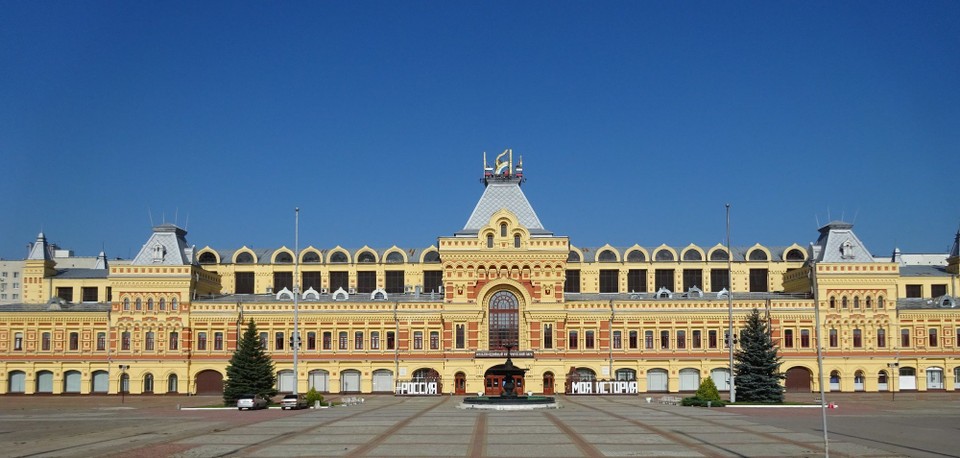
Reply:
x=250, y=370
x=757, y=365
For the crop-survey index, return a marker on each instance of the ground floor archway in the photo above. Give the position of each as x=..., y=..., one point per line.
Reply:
x=383, y=381
x=799, y=380
x=319, y=380
x=350, y=381
x=493, y=384
x=209, y=382
x=100, y=382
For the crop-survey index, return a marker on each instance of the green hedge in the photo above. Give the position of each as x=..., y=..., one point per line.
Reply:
x=700, y=402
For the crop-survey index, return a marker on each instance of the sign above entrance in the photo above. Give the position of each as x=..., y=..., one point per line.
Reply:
x=503, y=354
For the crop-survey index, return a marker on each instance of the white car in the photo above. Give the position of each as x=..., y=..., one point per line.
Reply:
x=251, y=402
x=294, y=401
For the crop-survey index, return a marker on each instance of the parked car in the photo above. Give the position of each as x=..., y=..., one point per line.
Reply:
x=251, y=402
x=294, y=401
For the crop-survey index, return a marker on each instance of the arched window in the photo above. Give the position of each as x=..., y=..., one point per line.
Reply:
x=489, y=240
x=626, y=375
x=607, y=256
x=719, y=255
x=366, y=258
x=394, y=258
x=148, y=383
x=869, y=302
x=664, y=255
x=431, y=257
x=126, y=303
x=338, y=257
x=163, y=304
x=856, y=302
x=516, y=241
x=573, y=257
x=503, y=229
x=150, y=304
x=139, y=304
x=244, y=258
x=794, y=255
x=880, y=302
x=172, y=383
x=843, y=302
x=692, y=255
x=311, y=257
x=174, y=304
x=636, y=256
x=283, y=258
x=758, y=255
x=833, y=302
x=208, y=258
x=504, y=320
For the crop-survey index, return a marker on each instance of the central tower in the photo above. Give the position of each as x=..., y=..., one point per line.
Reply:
x=503, y=261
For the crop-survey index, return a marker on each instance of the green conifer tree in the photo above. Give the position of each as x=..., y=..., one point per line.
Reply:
x=250, y=370
x=757, y=365
x=708, y=390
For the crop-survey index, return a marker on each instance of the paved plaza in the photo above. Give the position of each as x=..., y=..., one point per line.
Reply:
x=433, y=426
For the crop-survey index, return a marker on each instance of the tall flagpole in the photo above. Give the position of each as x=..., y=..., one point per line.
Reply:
x=733, y=385
x=296, y=294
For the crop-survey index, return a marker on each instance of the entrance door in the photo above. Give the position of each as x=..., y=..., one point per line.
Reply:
x=209, y=382
x=798, y=380
x=285, y=381
x=318, y=379
x=493, y=384
x=44, y=382
x=350, y=381
x=18, y=382
x=71, y=382
x=460, y=383
x=721, y=378
x=908, y=378
x=934, y=378
x=548, y=383
x=101, y=382
x=383, y=381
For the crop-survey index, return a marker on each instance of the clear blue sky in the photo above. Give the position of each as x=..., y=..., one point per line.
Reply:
x=637, y=121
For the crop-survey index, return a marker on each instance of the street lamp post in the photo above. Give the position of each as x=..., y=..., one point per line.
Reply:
x=733, y=389
x=816, y=319
x=296, y=294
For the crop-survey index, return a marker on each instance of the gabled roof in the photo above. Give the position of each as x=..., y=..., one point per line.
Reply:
x=167, y=246
x=503, y=194
x=838, y=243
x=40, y=251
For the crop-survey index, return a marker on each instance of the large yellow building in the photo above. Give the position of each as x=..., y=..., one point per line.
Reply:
x=433, y=320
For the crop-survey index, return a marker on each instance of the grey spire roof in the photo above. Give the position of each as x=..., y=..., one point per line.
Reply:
x=167, y=246
x=503, y=194
x=101, y=261
x=40, y=251
x=838, y=243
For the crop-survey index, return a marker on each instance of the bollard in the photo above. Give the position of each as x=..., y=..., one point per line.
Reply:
x=709, y=404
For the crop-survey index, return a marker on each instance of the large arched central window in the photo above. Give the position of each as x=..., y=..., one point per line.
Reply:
x=504, y=320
